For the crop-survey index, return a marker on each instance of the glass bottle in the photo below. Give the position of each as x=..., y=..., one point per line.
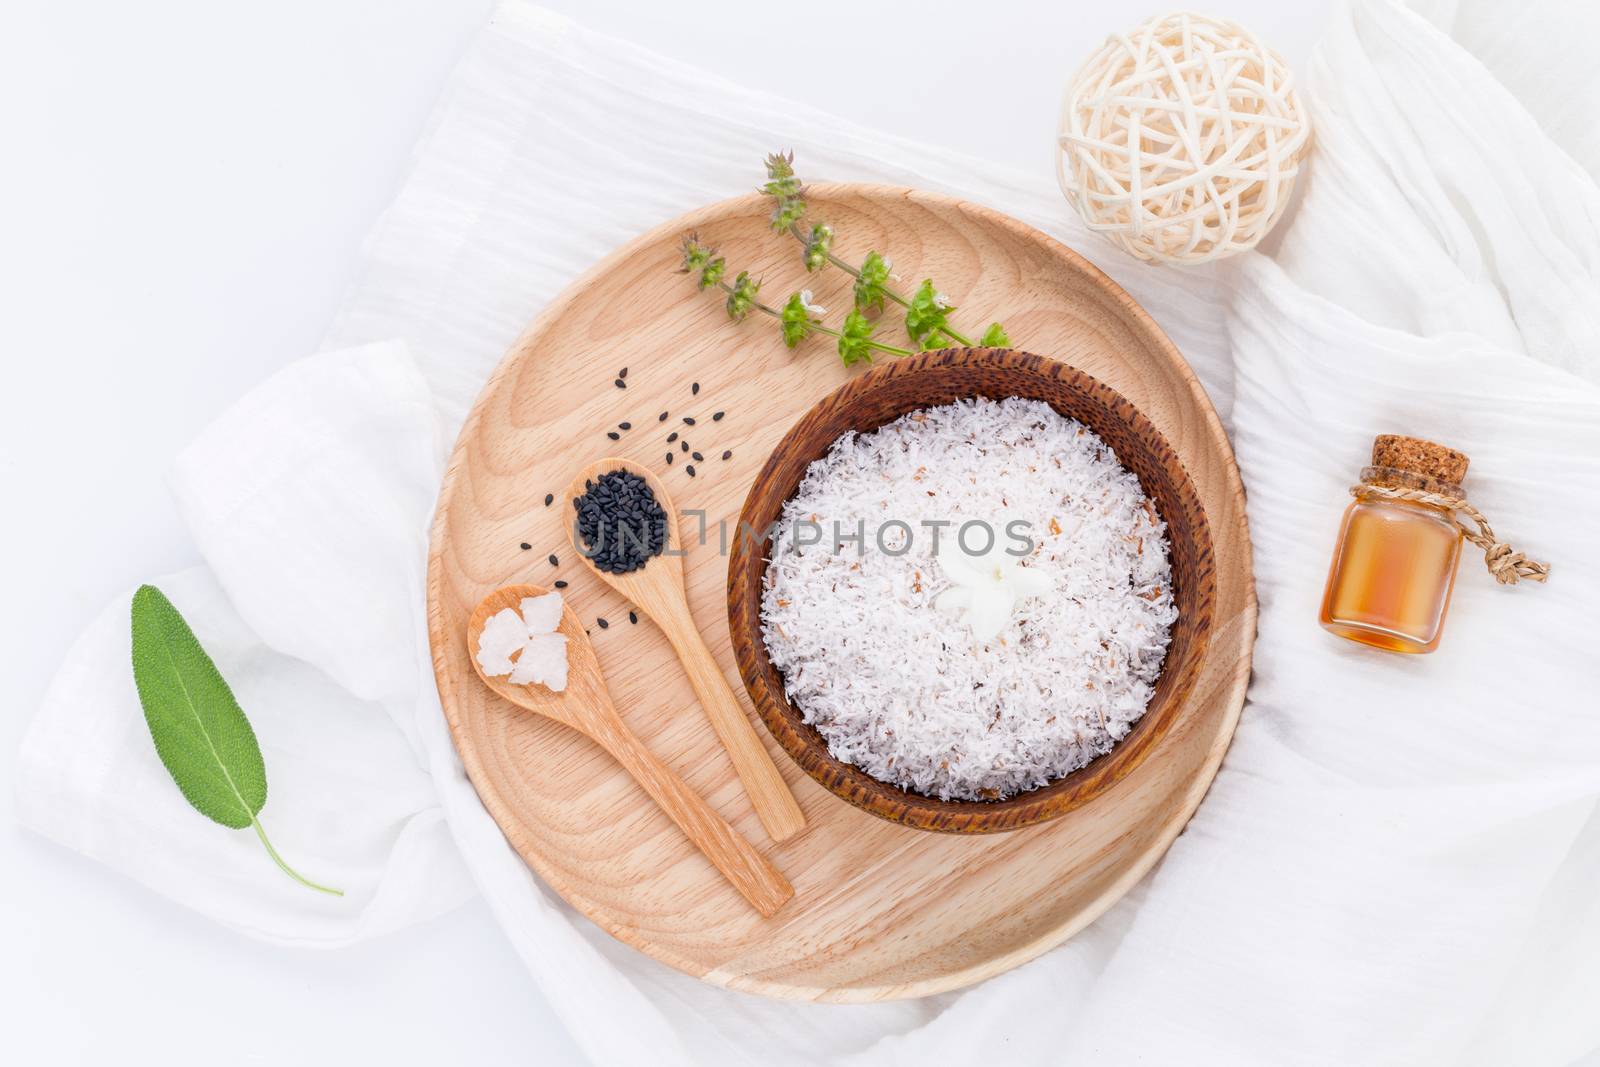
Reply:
x=1394, y=565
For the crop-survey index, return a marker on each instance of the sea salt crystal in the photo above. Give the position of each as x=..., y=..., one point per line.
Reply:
x=542, y=614
x=503, y=636
x=543, y=662
x=908, y=693
x=529, y=635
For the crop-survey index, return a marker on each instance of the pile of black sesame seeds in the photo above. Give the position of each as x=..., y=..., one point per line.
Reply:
x=622, y=524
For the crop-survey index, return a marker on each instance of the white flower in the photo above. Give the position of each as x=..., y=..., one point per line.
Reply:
x=941, y=301
x=986, y=588
x=532, y=636
x=815, y=309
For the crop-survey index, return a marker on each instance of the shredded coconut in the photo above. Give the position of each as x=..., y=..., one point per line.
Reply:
x=906, y=692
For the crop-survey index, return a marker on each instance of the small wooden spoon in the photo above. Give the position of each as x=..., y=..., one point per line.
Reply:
x=657, y=588
x=586, y=706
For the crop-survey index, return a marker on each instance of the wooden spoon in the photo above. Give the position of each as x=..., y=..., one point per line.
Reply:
x=586, y=706
x=657, y=588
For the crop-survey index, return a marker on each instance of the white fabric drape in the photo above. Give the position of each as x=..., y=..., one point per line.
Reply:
x=1397, y=861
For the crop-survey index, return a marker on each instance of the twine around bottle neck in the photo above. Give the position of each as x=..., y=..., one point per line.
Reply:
x=1506, y=564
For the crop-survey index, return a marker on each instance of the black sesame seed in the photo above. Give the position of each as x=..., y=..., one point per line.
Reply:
x=728, y=454
x=690, y=469
x=698, y=457
x=684, y=446
x=671, y=437
x=718, y=416
x=694, y=389
x=603, y=624
x=560, y=584
x=620, y=384
x=554, y=562
x=633, y=617
x=549, y=498
x=669, y=459
x=526, y=546
x=663, y=416
x=624, y=425
x=614, y=435
x=623, y=373
x=688, y=420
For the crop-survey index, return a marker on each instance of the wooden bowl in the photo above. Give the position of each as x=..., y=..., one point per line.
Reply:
x=884, y=394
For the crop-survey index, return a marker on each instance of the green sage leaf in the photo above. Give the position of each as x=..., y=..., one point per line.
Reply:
x=200, y=732
x=199, y=729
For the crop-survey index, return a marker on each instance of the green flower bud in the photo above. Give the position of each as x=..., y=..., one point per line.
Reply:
x=784, y=187
x=743, y=296
x=855, y=338
x=787, y=212
x=817, y=246
x=871, y=283
x=797, y=318
x=928, y=316
x=995, y=337
x=780, y=165
x=695, y=254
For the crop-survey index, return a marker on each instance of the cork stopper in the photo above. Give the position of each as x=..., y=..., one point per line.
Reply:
x=1416, y=456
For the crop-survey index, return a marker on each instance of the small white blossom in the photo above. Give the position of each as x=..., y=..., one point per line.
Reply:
x=815, y=309
x=986, y=588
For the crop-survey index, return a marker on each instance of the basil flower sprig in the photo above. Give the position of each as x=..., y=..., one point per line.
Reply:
x=799, y=317
x=927, y=311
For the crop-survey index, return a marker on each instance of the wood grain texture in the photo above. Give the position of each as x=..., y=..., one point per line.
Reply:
x=880, y=910
x=657, y=589
x=585, y=706
x=883, y=395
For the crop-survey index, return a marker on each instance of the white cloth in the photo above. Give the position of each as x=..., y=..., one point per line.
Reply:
x=309, y=501
x=1396, y=863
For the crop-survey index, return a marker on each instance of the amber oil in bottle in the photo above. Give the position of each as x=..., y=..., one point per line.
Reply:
x=1394, y=565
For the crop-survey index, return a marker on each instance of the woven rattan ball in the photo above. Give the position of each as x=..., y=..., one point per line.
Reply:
x=1181, y=140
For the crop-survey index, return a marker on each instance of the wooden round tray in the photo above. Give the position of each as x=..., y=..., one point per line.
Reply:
x=880, y=910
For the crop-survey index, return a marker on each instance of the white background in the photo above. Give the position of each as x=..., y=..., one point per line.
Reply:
x=185, y=187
